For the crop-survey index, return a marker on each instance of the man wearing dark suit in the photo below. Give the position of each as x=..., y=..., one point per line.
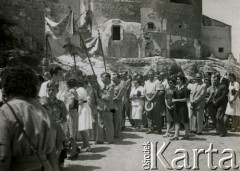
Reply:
x=220, y=103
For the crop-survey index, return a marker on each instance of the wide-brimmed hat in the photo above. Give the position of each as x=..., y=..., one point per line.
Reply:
x=148, y=106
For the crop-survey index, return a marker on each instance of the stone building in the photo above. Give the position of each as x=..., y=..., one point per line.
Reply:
x=128, y=28
x=22, y=22
x=216, y=36
x=139, y=28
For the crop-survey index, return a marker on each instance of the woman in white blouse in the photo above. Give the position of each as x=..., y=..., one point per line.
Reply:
x=85, y=116
x=137, y=100
x=233, y=106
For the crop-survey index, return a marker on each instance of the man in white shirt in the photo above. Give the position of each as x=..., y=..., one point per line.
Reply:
x=56, y=76
x=164, y=83
x=151, y=89
x=163, y=80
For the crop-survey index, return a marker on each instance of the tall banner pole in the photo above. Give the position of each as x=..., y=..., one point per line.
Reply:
x=46, y=42
x=85, y=48
x=75, y=63
x=100, y=41
x=50, y=57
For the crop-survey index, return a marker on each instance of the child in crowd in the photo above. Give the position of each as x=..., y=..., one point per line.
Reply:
x=58, y=113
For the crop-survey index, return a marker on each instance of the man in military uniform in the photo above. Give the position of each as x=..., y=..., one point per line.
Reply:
x=106, y=110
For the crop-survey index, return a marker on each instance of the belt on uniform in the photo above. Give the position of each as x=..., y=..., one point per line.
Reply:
x=29, y=159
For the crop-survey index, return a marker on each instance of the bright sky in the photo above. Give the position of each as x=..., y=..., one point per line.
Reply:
x=227, y=11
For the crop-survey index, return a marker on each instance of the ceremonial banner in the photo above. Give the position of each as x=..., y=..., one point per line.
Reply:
x=63, y=28
x=93, y=46
x=63, y=40
x=63, y=46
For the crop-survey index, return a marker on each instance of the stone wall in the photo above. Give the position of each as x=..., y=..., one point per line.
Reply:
x=216, y=38
x=27, y=16
x=130, y=41
x=160, y=21
x=104, y=10
x=176, y=26
x=185, y=20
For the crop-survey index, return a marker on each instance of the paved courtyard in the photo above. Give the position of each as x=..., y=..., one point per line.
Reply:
x=127, y=152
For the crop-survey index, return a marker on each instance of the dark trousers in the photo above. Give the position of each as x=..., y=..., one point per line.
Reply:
x=144, y=119
x=105, y=128
x=126, y=111
x=117, y=123
x=154, y=118
x=220, y=124
x=211, y=112
x=63, y=155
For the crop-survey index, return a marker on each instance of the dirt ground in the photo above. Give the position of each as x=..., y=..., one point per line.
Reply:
x=127, y=152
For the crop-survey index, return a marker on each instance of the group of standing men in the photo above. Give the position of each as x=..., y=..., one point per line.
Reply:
x=111, y=103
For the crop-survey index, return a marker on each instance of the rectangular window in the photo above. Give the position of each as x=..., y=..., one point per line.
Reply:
x=221, y=49
x=189, y=2
x=150, y=25
x=116, y=33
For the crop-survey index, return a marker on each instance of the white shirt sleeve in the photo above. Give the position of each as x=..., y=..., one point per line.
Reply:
x=144, y=88
x=43, y=90
x=236, y=86
x=132, y=92
x=158, y=85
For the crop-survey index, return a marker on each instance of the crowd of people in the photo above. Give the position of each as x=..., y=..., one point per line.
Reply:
x=43, y=117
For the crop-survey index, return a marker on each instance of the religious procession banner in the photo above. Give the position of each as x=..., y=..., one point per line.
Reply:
x=63, y=40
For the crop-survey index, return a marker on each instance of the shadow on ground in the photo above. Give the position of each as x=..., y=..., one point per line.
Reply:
x=90, y=157
x=79, y=168
x=232, y=135
x=130, y=135
x=213, y=133
x=196, y=139
x=99, y=149
x=121, y=142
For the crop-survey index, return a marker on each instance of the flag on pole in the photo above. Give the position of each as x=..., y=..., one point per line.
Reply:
x=63, y=40
x=57, y=30
x=93, y=46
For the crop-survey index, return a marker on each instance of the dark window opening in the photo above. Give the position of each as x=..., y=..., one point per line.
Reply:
x=116, y=32
x=180, y=26
x=188, y=2
x=221, y=49
x=151, y=26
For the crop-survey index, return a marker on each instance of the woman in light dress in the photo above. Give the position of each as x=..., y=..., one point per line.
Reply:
x=85, y=116
x=137, y=99
x=233, y=106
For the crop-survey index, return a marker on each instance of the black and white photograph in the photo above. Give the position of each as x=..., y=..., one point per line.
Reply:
x=119, y=85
